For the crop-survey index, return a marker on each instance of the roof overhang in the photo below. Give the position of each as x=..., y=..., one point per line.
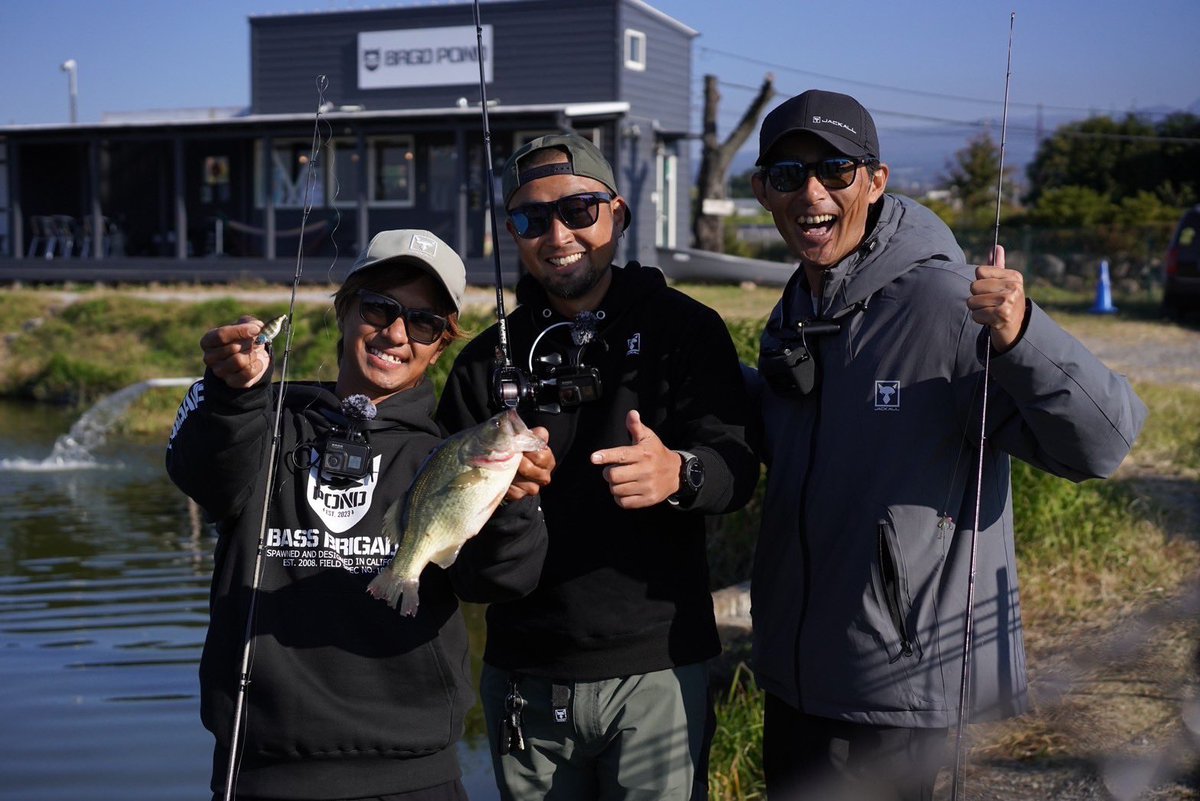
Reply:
x=567, y=110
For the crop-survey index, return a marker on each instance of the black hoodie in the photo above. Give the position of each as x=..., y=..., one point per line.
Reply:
x=622, y=592
x=347, y=698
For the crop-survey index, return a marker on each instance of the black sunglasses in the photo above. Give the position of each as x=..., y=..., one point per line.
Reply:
x=835, y=173
x=381, y=311
x=576, y=211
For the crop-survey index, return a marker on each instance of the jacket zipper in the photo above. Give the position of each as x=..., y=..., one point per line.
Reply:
x=891, y=590
x=805, y=552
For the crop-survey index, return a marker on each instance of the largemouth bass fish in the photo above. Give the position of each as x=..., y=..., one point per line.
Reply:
x=454, y=493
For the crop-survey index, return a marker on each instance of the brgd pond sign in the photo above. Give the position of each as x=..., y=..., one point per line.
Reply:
x=422, y=57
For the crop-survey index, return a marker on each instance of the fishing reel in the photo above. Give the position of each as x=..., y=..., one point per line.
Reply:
x=556, y=381
x=559, y=387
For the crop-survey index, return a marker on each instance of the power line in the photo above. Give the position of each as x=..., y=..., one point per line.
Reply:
x=905, y=90
x=984, y=124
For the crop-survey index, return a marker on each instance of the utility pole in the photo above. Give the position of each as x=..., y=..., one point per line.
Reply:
x=71, y=68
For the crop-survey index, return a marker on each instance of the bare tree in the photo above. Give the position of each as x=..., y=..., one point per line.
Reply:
x=715, y=157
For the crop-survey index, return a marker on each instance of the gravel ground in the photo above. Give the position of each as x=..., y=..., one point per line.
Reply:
x=1115, y=707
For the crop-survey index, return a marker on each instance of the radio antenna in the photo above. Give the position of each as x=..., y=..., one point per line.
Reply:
x=964, y=689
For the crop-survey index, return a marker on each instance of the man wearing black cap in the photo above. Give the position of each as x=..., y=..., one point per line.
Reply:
x=872, y=363
x=595, y=685
x=347, y=698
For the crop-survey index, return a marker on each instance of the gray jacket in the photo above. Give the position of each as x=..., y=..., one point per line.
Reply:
x=860, y=577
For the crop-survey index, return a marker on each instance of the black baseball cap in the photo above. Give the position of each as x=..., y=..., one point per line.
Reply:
x=838, y=119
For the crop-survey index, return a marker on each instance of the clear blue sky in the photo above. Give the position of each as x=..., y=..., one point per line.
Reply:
x=921, y=66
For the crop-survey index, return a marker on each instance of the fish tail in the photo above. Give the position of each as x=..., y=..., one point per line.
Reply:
x=388, y=586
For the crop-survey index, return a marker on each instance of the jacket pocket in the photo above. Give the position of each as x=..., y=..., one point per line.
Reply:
x=894, y=592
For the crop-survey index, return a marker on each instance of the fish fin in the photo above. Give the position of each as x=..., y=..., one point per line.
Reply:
x=467, y=479
x=387, y=586
x=445, y=557
x=391, y=518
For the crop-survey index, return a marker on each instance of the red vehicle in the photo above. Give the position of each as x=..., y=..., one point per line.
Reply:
x=1181, y=274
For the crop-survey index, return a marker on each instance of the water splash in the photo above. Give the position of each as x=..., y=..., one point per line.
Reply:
x=75, y=450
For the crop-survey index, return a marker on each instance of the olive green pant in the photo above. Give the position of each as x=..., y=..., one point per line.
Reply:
x=640, y=738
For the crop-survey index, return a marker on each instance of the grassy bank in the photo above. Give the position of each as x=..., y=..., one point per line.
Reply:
x=1088, y=553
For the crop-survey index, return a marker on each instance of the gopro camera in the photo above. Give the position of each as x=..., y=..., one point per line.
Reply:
x=345, y=458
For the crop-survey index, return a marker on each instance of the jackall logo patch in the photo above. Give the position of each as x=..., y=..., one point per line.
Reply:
x=818, y=119
x=634, y=344
x=344, y=504
x=887, y=396
x=560, y=716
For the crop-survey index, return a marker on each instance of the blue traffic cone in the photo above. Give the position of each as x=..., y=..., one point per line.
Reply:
x=1104, y=304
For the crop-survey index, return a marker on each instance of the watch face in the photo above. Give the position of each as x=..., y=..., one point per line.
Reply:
x=695, y=473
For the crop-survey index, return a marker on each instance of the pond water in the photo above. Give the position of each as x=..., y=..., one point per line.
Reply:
x=104, y=574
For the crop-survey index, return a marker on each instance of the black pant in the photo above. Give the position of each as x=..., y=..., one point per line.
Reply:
x=808, y=757
x=449, y=791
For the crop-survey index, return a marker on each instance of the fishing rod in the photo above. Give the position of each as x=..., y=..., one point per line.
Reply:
x=509, y=385
x=964, y=687
x=248, y=638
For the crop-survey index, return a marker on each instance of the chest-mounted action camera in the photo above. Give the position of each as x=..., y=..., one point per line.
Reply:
x=346, y=452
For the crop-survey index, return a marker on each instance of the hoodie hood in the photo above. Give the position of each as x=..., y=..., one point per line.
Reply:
x=909, y=233
x=630, y=284
x=411, y=409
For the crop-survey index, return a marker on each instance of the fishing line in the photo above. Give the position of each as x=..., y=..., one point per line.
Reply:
x=964, y=685
x=234, y=756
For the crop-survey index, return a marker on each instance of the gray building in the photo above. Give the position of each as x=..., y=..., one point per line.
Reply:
x=401, y=138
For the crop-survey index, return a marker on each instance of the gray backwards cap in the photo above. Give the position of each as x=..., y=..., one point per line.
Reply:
x=583, y=158
x=420, y=249
x=838, y=119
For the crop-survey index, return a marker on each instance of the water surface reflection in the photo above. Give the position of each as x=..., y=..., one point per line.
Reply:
x=104, y=577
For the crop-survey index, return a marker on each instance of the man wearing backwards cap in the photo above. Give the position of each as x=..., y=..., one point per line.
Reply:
x=347, y=698
x=646, y=407
x=872, y=418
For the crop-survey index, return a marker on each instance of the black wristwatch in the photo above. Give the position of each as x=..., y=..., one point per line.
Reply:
x=691, y=477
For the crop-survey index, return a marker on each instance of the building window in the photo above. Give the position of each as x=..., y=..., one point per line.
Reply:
x=635, y=50
x=390, y=168
x=343, y=166
x=289, y=174
x=443, y=177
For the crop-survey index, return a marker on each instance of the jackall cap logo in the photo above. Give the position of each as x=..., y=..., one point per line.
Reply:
x=371, y=59
x=818, y=120
x=342, y=506
x=887, y=396
x=423, y=245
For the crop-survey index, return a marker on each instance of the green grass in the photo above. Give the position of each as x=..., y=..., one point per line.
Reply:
x=735, y=761
x=1084, y=550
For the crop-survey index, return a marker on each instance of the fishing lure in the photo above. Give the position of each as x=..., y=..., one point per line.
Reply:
x=270, y=330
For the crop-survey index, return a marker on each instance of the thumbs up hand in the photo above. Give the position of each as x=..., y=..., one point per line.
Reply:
x=643, y=473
